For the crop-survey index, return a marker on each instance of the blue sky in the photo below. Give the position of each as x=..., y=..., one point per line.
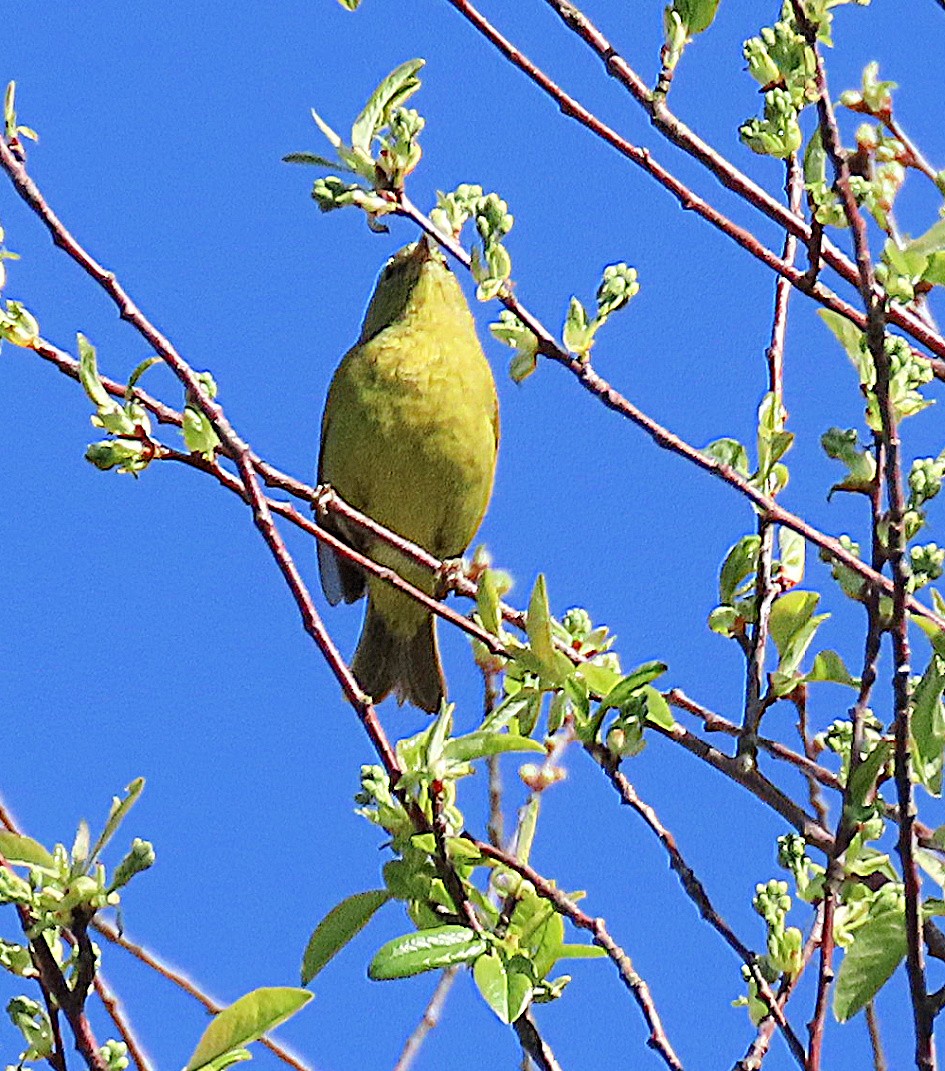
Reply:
x=145, y=630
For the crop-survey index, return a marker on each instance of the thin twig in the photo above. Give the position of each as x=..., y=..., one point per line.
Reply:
x=533, y=1044
x=428, y=1021
x=825, y=970
x=662, y=437
x=814, y=794
x=122, y=1023
x=876, y=1041
x=597, y=928
x=686, y=139
x=179, y=979
x=694, y=888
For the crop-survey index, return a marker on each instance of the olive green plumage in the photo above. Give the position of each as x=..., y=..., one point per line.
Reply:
x=409, y=437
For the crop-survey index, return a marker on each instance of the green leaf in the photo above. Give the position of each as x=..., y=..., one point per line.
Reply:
x=549, y=940
x=136, y=375
x=933, y=241
x=928, y=725
x=522, y=707
x=878, y=947
x=492, y=983
x=850, y=338
x=487, y=602
x=624, y=689
x=479, y=744
x=425, y=950
x=505, y=987
x=119, y=809
x=88, y=374
x=866, y=772
x=400, y=84
x=599, y=679
x=829, y=666
x=657, y=709
x=334, y=138
x=729, y=452
x=246, y=1021
x=538, y=627
x=740, y=563
x=310, y=158
x=581, y=952
x=793, y=550
x=789, y=615
x=344, y=922
x=698, y=15
x=18, y=848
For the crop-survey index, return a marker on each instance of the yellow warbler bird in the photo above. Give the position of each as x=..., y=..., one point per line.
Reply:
x=409, y=437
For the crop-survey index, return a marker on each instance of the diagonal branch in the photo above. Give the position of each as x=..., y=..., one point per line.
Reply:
x=694, y=889
x=597, y=928
x=662, y=437
x=728, y=174
x=725, y=171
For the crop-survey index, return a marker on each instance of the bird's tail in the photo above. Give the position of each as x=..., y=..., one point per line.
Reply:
x=409, y=666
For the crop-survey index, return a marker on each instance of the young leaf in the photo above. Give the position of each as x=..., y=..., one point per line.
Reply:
x=538, y=626
x=246, y=1021
x=878, y=947
x=344, y=922
x=505, y=987
x=400, y=84
x=425, y=950
x=928, y=725
x=829, y=666
x=116, y=815
x=487, y=602
x=632, y=683
x=657, y=709
x=790, y=614
x=740, y=563
x=864, y=776
x=478, y=745
x=17, y=848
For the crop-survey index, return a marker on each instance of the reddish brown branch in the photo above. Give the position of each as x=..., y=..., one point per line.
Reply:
x=123, y=1025
x=665, y=439
x=597, y=928
x=896, y=554
x=787, y=217
x=694, y=889
x=824, y=977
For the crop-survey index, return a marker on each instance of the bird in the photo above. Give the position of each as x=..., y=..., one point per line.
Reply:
x=409, y=436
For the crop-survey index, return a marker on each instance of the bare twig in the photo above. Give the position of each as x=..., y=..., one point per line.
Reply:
x=533, y=1044
x=597, y=928
x=428, y=1021
x=694, y=888
x=122, y=1024
x=876, y=1041
x=724, y=170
